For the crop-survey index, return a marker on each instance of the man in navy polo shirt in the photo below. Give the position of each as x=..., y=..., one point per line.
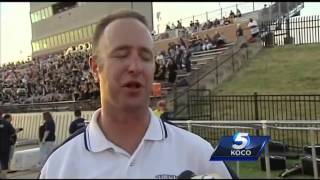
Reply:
x=78, y=123
x=124, y=138
x=6, y=133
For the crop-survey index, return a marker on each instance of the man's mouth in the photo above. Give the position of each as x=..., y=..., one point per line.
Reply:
x=132, y=84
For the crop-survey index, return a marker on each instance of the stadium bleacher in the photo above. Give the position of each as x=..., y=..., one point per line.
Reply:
x=50, y=79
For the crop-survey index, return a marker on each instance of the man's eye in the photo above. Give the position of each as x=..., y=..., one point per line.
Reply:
x=146, y=56
x=120, y=54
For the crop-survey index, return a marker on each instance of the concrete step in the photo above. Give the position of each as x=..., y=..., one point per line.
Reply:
x=203, y=59
x=226, y=46
x=208, y=52
x=196, y=64
x=183, y=75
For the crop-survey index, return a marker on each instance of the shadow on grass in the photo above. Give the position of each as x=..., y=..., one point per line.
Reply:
x=252, y=170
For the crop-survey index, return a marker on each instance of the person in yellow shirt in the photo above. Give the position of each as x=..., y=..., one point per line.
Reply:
x=161, y=108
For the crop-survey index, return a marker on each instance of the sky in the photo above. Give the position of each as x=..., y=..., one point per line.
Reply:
x=15, y=26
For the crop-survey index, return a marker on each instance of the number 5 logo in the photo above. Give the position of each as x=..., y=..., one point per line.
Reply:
x=240, y=140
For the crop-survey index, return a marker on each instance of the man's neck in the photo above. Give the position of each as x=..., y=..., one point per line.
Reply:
x=124, y=128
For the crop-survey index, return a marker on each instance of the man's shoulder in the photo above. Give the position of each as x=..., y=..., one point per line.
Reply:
x=74, y=142
x=4, y=122
x=51, y=122
x=66, y=154
x=78, y=120
x=7, y=124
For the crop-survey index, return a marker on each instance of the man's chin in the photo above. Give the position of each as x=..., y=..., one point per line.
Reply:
x=135, y=104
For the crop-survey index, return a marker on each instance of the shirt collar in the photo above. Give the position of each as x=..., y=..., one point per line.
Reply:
x=97, y=142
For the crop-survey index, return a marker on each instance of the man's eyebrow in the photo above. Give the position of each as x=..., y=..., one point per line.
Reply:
x=127, y=47
x=120, y=48
x=146, y=50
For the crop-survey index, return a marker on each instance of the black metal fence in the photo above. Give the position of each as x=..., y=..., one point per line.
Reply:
x=204, y=106
x=294, y=30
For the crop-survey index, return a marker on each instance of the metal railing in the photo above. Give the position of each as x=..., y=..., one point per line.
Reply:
x=204, y=106
x=294, y=30
x=265, y=125
x=211, y=130
x=213, y=74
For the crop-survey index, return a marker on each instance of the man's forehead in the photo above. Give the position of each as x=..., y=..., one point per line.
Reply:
x=126, y=30
x=124, y=26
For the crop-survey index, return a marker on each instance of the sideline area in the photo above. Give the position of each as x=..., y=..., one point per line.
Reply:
x=28, y=174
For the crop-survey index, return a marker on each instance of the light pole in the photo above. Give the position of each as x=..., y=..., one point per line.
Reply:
x=159, y=18
x=220, y=10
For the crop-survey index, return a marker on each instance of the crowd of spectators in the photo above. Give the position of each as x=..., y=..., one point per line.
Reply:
x=61, y=77
x=178, y=55
x=196, y=26
x=65, y=76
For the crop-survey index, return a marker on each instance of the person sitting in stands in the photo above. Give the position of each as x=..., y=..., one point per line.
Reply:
x=238, y=13
x=232, y=15
x=179, y=25
x=206, y=45
x=218, y=40
x=168, y=27
x=254, y=29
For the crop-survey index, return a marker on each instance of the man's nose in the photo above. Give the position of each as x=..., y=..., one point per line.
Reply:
x=135, y=66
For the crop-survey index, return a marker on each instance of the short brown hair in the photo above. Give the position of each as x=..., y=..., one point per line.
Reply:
x=103, y=23
x=47, y=116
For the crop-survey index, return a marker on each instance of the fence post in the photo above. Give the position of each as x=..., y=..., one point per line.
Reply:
x=266, y=151
x=207, y=16
x=198, y=85
x=269, y=13
x=174, y=99
x=210, y=106
x=279, y=9
x=189, y=125
x=313, y=152
x=217, y=73
x=232, y=60
x=256, y=112
x=238, y=162
x=188, y=104
x=247, y=51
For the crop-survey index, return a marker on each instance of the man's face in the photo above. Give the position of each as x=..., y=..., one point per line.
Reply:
x=125, y=65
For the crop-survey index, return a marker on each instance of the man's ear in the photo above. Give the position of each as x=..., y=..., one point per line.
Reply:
x=94, y=67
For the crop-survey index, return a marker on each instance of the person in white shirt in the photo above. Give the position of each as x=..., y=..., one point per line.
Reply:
x=124, y=138
x=254, y=29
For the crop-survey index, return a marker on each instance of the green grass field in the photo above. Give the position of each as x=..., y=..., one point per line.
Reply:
x=282, y=70
x=252, y=170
